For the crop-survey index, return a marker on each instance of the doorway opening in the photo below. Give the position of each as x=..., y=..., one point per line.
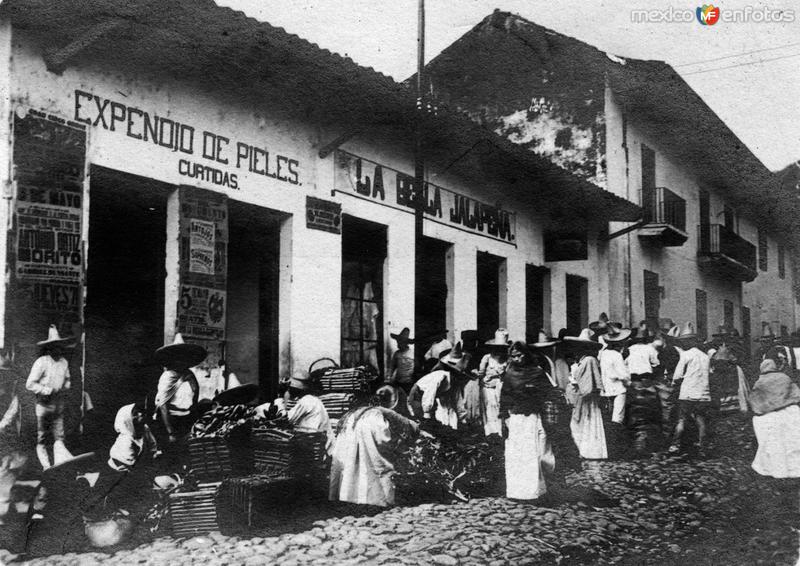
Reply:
x=488, y=296
x=537, y=283
x=652, y=299
x=430, y=305
x=363, y=256
x=251, y=346
x=577, y=304
x=124, y=313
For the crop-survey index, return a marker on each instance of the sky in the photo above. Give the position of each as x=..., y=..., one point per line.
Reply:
x=747, y=72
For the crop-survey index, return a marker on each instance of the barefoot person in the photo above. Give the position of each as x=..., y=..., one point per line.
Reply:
x=49, y=380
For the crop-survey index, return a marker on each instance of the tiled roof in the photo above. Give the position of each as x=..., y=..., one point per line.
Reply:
x=221, y=49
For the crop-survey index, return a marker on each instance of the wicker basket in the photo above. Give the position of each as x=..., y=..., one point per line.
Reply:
x=194, y=512
x=258, y=494
x=291, y=453
x=210, y=458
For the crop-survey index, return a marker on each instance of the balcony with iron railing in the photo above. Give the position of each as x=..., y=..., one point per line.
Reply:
x=664, y=220
x=724, y=252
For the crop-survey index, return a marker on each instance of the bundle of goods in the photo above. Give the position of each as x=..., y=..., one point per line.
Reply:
x=282, y=450
x=452, y=465
x=220, y=442
x=334, y=378
x=194, y=512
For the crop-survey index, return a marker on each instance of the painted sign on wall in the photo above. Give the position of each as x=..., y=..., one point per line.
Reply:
x=372, y=181
x=202, y=154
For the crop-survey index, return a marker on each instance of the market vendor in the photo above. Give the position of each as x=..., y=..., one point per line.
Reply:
x=434, y=395
x=178, y=391
x=305, y=411
x=117, y=486
x=365, y=453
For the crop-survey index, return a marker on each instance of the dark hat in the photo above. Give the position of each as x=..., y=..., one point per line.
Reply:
x=600, y=326
x=725, y=331
x=5, y=362
x=455, y=359
x=403, y=336
x=179, y=353
x=241, y=395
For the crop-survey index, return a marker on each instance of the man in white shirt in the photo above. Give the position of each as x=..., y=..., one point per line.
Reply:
x=614, y=372
x=694, y=399
x=642, y=355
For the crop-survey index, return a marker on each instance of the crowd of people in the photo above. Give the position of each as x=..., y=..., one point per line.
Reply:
x=607, y=392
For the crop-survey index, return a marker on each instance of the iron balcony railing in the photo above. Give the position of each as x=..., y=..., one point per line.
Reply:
x=716, y=239
x=662, y=206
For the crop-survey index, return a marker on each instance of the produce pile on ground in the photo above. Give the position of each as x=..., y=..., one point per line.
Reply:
x=447, y=464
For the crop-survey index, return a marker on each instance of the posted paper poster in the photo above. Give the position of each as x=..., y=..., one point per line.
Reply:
x=201, y=246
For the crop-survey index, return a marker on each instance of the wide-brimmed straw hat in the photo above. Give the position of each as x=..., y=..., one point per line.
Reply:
x=583, y=341
x=403, y=336
x=500, y=338
x=55, y=339
x=615, y=333
x=240, y=395
x=544, y=341
x=455, y=359
x=179, y=353
x=687, y=332
x=767, y=332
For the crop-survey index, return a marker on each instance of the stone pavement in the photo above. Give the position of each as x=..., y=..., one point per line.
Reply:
x=660, y=510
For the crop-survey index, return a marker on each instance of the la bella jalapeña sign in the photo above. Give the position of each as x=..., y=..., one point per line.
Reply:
x=373, y=181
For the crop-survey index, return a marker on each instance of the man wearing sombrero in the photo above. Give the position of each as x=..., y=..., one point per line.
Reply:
x=433, y=396
x=402, y=364
x=49, y=380
x=178, y=391
x=694, y=399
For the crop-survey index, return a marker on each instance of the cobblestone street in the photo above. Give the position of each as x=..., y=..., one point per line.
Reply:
x=662, y=510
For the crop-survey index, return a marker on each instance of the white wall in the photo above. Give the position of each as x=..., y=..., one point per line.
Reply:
x=310, y=260
x=677, y=266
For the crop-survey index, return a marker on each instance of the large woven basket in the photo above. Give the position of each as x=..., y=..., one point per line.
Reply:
x=194, y=512
x=289, y=453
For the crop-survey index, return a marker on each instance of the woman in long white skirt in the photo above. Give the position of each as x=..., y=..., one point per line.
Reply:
x=528, y=453
x=774, y=400
x=584, y=393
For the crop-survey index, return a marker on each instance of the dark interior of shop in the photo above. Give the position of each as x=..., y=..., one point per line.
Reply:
x=251, y=346
x=124, y=314
x=431, y=295
x=488, y=295
x=363, y=256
